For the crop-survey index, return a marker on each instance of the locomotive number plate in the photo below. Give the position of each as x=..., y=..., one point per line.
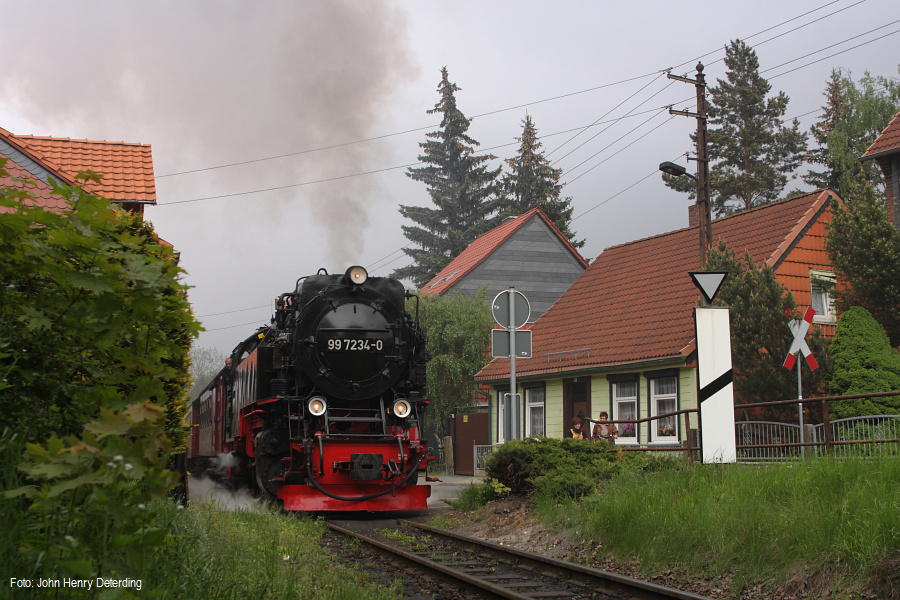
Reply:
x=354, y=345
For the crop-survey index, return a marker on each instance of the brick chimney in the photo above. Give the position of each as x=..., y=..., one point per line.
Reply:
x=694, y=215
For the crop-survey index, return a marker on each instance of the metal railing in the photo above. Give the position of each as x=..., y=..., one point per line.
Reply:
x=867, y=436
x=481, y=453
x=765, y=440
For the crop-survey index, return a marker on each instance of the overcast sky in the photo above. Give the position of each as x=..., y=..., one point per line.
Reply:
x=328, y=100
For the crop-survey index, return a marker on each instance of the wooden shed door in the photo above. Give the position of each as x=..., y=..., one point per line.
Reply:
x=471, y=429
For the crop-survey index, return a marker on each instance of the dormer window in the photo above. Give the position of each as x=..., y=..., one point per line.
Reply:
x=822, y=293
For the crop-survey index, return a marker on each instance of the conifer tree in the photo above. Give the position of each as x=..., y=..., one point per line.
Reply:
x=831, y=114
x=532, y=182
x=461, y=186
x=751, y=151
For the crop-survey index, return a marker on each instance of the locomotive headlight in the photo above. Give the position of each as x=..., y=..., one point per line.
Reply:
x=316, y=406
x=402, y=408
x=356, y=275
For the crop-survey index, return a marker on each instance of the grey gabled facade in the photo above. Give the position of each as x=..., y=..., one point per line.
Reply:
x=526, y=252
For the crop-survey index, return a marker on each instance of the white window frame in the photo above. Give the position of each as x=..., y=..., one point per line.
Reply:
x=533, y=404
x=655, y=398
x=822, y=283
x=617, y=399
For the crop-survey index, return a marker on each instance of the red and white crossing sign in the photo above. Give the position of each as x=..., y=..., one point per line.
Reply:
x=799, y=329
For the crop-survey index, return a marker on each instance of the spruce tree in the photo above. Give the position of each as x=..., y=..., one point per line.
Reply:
x=832, y=112
x=751, y=151
x=461, y=186
x=532, y=182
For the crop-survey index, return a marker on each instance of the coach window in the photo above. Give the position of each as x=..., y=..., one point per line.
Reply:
x=624, y=398
x=534, y=410
x=663, y=399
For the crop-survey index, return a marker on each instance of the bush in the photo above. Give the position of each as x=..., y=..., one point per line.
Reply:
x=862, y=362
x=561, y=467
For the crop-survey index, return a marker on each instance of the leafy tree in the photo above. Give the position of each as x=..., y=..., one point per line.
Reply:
x=205, y=364
x=533, y=182
x=853, y=116
x=760, y=338
x=461, y=187
x=863, y=362
x=864, y=249
x=751, y=151
x=94, y=334
x=458, y=329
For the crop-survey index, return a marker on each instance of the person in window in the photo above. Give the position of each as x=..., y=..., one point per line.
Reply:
x=605, y=431
x=575, y=432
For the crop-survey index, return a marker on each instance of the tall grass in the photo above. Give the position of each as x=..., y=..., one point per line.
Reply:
x=757, y=522
x=222, y=555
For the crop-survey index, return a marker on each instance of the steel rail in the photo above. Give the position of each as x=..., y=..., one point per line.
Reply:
x=451, y=574
x=604, y=581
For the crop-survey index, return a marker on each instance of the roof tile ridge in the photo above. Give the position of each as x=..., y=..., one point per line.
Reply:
x=47, y=138
x=821, y=196
x=642, y=240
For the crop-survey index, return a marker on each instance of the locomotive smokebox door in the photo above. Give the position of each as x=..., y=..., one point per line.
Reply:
x=366, y=467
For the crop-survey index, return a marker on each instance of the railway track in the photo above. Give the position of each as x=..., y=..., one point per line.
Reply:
x=487, y=570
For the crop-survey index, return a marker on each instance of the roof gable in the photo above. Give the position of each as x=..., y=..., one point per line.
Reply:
x=886, y=143
x=633, y=304
x=485, y=245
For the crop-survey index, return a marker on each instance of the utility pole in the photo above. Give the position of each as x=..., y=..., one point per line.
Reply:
x=703, y=204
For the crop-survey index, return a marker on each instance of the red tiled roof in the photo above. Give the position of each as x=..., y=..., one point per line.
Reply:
x=633, y=304
x=484, y=246
x=886, y=143
x=127, y=168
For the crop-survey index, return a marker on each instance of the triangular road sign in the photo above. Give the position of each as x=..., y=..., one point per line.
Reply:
x=708, y=282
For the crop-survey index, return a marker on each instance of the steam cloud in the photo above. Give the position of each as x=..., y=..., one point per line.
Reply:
x=211, y=83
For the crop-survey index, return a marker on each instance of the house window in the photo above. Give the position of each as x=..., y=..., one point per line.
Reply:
x=822, y=294
x=504, y=406
x=664, y=399
x=534, y=411
x=624, y=394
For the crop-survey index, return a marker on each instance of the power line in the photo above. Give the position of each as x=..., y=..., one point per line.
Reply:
x=229, y=312
x=235, y=326
x=518, y=106
x=375, y=171
x=387, y=135
x=836, y=53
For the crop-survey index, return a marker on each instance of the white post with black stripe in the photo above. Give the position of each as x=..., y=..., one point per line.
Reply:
x=715, y=373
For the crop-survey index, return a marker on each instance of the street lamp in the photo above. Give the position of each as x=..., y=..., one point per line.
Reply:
x=677, y=170
x=674, y=170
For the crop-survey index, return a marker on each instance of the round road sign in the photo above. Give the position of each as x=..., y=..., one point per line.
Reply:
x=500, y=309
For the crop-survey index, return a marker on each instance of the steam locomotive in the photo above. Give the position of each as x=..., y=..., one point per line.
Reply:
x=322, y=409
